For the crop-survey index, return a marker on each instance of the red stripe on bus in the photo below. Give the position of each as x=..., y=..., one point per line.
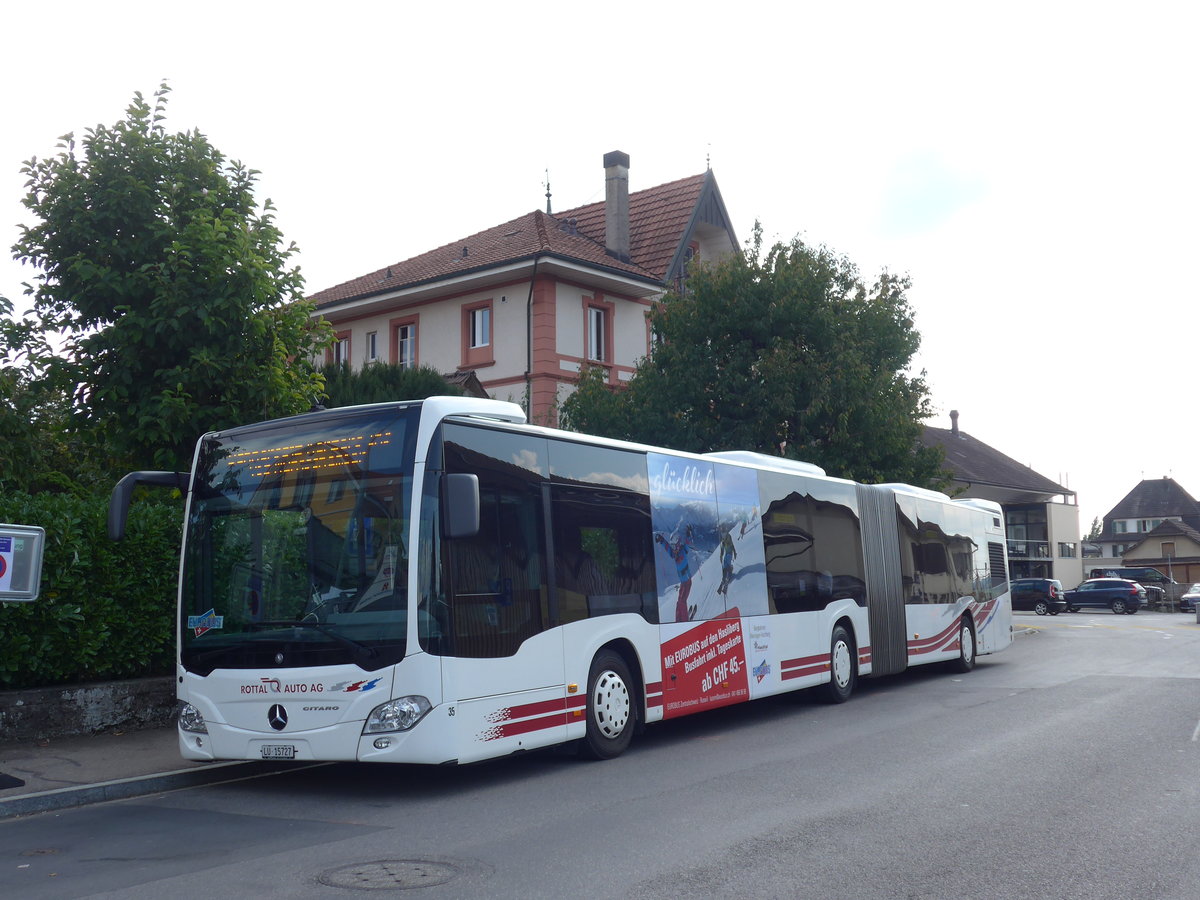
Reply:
x=804, y=666
x=511, y=729
x=944, y=640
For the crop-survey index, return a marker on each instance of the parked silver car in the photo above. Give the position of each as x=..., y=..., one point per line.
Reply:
x=1187, y=602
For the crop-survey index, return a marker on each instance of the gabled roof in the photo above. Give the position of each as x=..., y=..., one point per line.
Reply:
x=973, y=462
x=1168, y=528
x=659, y=219
x=1155, y=498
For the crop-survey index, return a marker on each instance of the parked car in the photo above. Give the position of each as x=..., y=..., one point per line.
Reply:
x=1041, y=595
x=1187, y=602
x=1155, y=582
x=1120, y=595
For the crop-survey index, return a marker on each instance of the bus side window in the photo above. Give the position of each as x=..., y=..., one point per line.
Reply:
x=497, y=581
x=603, y=554
x=812, y=538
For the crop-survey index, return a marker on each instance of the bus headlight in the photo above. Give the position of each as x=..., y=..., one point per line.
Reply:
x=400, y=714
x=190, y=719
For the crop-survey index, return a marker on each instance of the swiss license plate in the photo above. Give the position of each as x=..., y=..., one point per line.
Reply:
x=278, y=751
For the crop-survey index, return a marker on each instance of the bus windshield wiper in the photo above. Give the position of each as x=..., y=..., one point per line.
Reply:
x=360, y=650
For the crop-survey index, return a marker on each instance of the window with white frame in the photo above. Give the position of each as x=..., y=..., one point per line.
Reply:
x=481, y=327
x=597, y=347
x=406, y=345
x=372, y=346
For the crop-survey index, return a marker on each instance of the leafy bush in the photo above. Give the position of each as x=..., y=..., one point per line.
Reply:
x=107, y=608
x=381, y=383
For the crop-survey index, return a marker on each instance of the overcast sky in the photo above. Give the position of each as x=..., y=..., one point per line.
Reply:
x=1032, y=166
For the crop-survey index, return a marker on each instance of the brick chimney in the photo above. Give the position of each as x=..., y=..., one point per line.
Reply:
x=616, y=204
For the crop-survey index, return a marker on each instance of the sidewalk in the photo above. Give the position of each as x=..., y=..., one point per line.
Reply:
x=55, y=774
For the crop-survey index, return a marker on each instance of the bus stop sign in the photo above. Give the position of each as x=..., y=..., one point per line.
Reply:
x=21, y=562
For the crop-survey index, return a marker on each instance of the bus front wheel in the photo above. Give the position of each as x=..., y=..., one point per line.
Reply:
x=610, y=707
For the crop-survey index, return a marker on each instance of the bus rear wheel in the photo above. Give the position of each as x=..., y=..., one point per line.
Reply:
x=843, y=670
x=610, y=707
x=966, y=647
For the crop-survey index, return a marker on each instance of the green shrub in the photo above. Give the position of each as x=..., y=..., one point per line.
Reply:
x=107, y=608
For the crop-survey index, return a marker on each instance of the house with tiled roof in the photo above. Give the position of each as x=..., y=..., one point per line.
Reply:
x=1041, y=517
x=1172, y=547
x=1157, y=508
x=526, y=304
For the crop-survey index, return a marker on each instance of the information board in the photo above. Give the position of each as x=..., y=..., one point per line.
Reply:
x=21, y=562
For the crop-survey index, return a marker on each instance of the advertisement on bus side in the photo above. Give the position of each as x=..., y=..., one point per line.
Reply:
x=711, y=570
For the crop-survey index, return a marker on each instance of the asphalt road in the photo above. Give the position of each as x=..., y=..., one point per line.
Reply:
x=1067, y=766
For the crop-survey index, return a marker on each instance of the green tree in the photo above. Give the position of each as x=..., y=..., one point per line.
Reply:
x=36, y=451
x=1094, y=531
x=382, y=382
x=172, y=289
x=785, y=352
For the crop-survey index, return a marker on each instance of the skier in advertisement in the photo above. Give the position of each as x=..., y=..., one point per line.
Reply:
x=677, y=548
x=728, y=553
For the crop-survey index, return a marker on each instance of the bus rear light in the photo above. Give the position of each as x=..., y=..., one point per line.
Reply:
x=400, y=714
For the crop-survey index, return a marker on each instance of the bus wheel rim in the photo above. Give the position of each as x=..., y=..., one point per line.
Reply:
x=841, y=663
x=611, y=704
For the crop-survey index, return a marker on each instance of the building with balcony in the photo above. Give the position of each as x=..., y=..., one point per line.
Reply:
x=1041, y=518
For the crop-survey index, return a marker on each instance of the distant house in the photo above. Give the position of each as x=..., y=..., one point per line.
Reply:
x=1041, y=519
x=526, y=304
x=1155, y=524
x=1171, y=547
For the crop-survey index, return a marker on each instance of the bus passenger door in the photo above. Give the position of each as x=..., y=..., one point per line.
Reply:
x=503, y=669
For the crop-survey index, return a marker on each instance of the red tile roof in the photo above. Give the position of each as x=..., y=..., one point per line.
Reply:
x=658, y=219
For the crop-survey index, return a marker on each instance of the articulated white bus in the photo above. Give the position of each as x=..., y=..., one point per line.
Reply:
x=440, y=582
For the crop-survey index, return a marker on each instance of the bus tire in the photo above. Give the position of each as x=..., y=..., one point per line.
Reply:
x=966, y=647
x=843, y=667
x=611, y=715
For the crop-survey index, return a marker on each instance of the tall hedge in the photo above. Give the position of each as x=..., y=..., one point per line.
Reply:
x=107, y=609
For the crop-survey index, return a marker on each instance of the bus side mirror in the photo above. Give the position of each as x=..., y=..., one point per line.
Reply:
x=118, y=503
x=460, y=505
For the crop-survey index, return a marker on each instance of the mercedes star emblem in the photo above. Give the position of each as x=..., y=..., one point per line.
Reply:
x=277, y=716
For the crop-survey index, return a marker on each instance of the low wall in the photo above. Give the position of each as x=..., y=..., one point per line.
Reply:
x=70, y=710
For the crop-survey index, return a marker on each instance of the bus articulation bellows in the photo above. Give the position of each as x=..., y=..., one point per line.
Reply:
x=440, y=582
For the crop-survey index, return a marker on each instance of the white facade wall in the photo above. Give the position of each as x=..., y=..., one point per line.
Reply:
x=628, y=326
x=568, y=320
x=1062, y=526
x=440, y=333
x=509, y=333
x=629, y=332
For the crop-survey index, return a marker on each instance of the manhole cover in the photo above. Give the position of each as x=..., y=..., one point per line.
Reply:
x=389, y=874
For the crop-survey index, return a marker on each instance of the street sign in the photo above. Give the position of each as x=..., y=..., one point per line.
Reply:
x=21, y=562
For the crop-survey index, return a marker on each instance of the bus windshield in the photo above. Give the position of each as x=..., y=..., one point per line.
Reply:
x=296, y=545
